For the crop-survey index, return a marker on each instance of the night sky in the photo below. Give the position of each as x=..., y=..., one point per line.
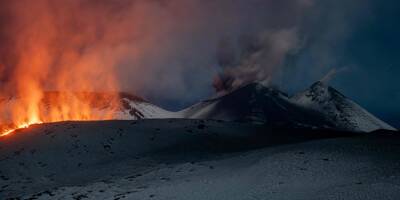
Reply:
x=369, y=53
x=374, y=47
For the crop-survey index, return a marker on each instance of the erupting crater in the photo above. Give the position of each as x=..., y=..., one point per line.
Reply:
x=17, y=112
x=74, y=106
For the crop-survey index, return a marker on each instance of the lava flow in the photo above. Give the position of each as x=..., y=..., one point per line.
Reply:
x=9, y=131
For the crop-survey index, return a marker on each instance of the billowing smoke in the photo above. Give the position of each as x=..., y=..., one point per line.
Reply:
x=165, y=49
x=74, y=45
x=71, y=45
x=152, y=47
x=292, y=50
x=260, y=56
x=259, y=59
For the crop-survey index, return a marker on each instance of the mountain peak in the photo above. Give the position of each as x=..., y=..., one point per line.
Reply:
x=344, y=113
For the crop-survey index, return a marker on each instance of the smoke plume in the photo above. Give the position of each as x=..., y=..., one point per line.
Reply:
x=258, y=61
x=165, y=49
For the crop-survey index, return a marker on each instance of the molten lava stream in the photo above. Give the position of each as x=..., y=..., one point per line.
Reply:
x=10, y=131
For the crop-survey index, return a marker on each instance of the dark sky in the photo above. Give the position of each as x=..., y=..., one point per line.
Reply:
x=360, y=37
x=373, y=48
x=368, y=52
x=172, y=51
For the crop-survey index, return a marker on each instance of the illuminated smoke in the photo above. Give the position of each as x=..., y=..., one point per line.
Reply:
x=68, y=46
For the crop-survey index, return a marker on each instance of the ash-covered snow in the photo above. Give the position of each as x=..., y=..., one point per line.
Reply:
x=195, y=159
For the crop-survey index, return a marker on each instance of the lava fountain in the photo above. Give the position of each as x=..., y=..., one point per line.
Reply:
x=68, y=47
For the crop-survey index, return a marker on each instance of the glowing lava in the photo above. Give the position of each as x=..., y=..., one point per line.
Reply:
x=26, y=125
x=69, y=47
x=22, y=112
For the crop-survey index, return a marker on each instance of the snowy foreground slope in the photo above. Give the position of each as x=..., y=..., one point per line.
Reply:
x=195, y=159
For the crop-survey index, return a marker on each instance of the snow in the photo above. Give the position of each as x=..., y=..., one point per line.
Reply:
x=195, y=159
x=202, y=110
x=147, y=111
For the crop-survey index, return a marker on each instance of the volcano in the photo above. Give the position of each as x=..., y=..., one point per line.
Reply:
x=342, y=112
x=319, y=107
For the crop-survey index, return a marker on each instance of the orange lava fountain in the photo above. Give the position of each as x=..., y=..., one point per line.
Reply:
x=66, y=46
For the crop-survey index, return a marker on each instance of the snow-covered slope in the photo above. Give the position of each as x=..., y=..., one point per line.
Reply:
x=195, y=159
x=344, y=113
x=78, y=153
x=137, y=108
